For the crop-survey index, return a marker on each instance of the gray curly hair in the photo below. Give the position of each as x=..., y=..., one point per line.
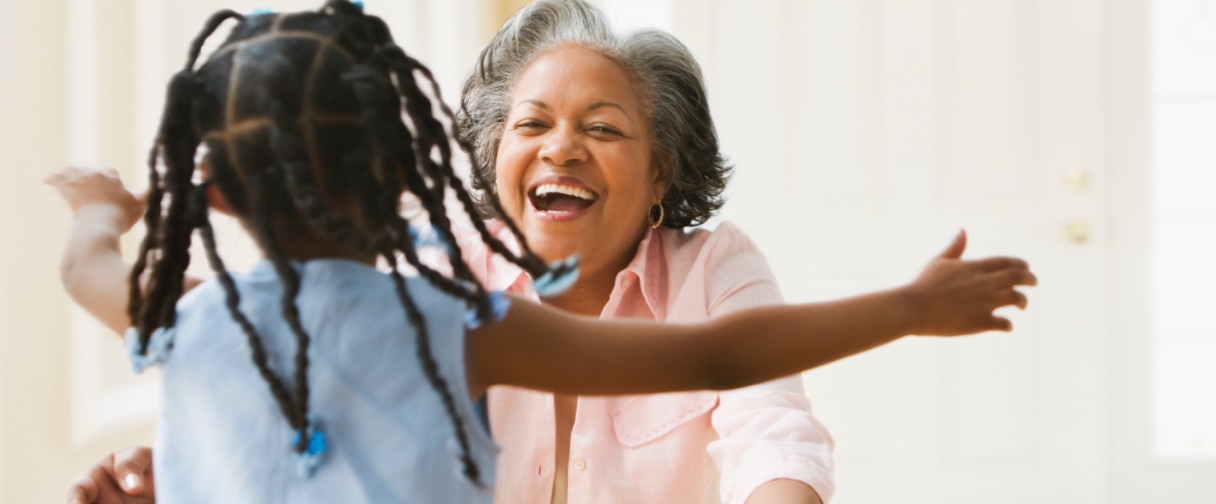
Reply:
x=669, y=84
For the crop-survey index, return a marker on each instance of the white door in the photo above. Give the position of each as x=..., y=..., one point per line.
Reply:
x=865, y=134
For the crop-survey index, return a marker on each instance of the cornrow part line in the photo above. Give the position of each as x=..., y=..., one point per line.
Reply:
x=230, y=147
x=307, y=127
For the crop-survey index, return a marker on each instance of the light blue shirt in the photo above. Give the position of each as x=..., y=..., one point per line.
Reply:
x=222, y=437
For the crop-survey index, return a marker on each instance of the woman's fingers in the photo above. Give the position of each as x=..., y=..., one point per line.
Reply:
x=956, y=247
x=1000, y=324
x=83, y=491
x=1002, y=263
x=1010, y=297
x=132, y=469
x=1007, y=278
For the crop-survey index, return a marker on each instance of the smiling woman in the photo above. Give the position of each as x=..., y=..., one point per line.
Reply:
x=601, y=145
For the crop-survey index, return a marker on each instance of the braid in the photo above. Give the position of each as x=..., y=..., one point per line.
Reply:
x=167, y=244
x=168, y=248
x=431, y=369
x=233, y=303
x=291, y=288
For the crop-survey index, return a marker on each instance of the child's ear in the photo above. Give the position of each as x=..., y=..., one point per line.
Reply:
x=215, y=198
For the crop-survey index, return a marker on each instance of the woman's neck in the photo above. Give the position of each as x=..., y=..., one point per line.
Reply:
x=591, y=292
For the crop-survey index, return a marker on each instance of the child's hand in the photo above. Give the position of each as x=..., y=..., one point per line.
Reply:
x=955, y=297
x=85, y=188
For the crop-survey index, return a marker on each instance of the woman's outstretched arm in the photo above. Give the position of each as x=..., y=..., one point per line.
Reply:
x=542, y=348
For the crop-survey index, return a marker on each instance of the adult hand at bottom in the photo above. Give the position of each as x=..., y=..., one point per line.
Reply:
x=122, y=477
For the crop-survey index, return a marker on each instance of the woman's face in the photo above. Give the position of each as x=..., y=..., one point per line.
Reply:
x=574, y=168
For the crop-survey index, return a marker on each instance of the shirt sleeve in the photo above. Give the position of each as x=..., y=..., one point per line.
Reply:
x=766, y=431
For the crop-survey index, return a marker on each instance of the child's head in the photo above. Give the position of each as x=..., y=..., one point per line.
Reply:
x=301, y=116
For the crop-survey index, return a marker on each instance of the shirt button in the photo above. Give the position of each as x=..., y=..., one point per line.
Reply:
x=580, y=463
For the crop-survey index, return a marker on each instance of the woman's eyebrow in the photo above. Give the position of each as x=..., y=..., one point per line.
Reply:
x=594, y=106
x=602, y=104
x=537, y=103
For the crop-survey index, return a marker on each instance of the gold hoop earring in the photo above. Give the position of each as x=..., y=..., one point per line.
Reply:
x=656, y=222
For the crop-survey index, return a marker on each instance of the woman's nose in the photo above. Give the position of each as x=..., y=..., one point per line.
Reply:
x=563, y=146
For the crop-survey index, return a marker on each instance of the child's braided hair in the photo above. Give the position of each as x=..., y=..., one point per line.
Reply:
x=290, y=104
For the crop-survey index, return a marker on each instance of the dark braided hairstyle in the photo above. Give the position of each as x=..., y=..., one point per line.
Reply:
x=289, y=104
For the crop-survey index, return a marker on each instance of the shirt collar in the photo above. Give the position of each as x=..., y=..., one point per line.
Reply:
x=646, y=272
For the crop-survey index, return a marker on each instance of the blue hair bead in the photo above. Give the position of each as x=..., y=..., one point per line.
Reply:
x=308, y=460
x=261, y=11
x=499, y=305
x=428, y=236
x=561, y=275
x=157, y=351
x=358, y=3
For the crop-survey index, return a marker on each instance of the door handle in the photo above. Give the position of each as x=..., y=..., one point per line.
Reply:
x=1078, y=231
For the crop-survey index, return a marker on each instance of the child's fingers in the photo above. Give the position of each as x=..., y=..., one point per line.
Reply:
x=59, y=175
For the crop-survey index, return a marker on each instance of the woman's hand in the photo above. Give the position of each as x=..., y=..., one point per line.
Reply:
x=953, y=296
x=87, y=188
x=122, y=477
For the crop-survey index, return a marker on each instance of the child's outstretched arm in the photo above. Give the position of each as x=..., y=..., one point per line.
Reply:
x=543, y=348
x=93, y=270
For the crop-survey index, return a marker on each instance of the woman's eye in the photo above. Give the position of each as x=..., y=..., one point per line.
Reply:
x=529, y=125
x=604, y=130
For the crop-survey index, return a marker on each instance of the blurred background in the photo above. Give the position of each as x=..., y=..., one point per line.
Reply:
x=1079, y=134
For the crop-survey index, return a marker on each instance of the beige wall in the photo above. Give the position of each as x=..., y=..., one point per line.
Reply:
x=38, y=458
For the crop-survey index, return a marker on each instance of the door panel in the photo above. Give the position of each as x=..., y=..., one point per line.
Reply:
x=865, y=133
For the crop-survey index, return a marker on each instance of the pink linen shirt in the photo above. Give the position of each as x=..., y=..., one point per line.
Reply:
x=689, y=447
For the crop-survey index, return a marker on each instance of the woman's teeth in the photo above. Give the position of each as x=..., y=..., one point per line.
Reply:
x=561, y=198
x=547, y=189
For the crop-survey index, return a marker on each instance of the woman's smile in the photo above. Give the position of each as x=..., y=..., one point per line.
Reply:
x=561, y=199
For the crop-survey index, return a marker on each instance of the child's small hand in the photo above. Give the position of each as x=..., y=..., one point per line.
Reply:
x=83, y=187
x=955, y=297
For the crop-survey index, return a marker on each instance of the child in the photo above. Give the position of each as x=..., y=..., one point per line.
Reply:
x=305, y=144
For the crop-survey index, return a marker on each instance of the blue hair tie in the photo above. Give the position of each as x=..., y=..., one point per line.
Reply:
x=156, y=352
x=308, y=460
x=561, y=275
x=429, y=236
x=358, y=3
x=260, y=11
x=499, y=304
